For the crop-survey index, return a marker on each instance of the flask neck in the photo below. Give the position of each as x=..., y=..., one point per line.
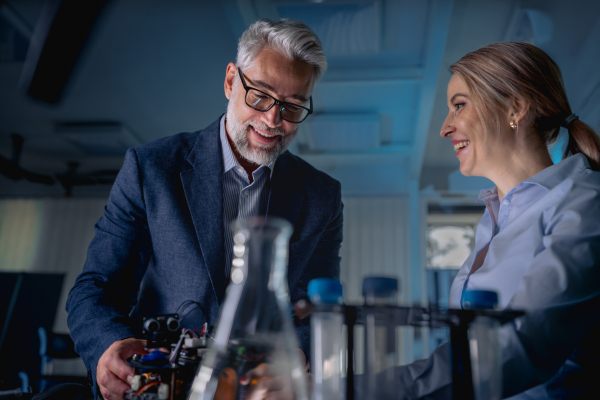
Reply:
x=266, y=261
x=261, y=262
x=261, y=248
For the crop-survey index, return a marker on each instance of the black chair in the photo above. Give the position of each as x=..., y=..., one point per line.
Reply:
x=54, y=349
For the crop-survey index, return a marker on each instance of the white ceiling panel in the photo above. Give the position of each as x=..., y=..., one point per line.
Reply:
x=395, y=98
x=343, y=132
x=345, y=28
x=158, y=68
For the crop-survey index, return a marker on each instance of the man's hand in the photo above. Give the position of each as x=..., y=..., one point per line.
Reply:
x=303, y=359
x=264, y=384
x=113, y=375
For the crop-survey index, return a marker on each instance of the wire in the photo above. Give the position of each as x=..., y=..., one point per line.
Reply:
x=175, y=353
x=146, y=387
x=204, y=330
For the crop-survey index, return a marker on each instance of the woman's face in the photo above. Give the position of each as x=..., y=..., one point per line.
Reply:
x=464, y=126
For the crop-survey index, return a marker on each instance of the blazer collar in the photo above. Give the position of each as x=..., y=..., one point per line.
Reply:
x=202, y=185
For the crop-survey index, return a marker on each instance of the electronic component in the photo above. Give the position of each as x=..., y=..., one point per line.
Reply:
x=166, y=374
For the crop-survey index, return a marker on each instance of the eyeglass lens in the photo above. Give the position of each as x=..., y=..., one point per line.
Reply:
x=263, y=102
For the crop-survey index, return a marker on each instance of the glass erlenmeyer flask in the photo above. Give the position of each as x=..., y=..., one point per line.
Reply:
x=255, y=324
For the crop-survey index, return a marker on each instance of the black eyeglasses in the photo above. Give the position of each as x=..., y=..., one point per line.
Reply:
x=261, y=101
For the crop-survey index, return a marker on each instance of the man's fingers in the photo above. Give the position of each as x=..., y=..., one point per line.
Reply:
x=112, y=373
x=303, y=359
x=106, y=395
x=138, y=346
x=263, y=370
x=131, y=346
x=111, y=386
x=272, y=388
x=113, y=361
x=259, y=389
x=273, y=383
x=127, y=349
x=118, y=368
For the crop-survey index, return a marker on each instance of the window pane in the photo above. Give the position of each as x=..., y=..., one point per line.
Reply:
x=449, y=246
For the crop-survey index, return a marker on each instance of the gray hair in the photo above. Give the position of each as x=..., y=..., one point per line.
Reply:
x=289, y=36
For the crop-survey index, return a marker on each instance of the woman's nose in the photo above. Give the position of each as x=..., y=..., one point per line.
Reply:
x=447, y=127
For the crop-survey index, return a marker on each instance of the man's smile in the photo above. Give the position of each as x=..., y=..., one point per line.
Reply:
x=263, y=136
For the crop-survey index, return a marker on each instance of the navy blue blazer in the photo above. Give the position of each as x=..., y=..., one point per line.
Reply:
x=158, y=248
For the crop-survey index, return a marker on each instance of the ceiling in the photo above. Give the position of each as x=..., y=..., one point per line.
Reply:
x=154, y=68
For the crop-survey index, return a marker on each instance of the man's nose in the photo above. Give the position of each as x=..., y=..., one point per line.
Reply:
x=273, y=116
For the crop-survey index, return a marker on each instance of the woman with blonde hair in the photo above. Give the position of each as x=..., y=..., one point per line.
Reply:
x=538, y=243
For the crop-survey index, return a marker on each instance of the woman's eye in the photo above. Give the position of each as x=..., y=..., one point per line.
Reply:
x=458, y=107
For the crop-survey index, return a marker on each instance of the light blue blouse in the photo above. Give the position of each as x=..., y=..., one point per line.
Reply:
x=544, y=258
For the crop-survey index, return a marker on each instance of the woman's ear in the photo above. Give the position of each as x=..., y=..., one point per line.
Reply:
x=518, y=111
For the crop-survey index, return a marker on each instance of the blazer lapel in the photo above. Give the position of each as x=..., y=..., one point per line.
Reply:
x=202, y=184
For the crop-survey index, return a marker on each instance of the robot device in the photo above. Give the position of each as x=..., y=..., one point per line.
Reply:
x=168, y=371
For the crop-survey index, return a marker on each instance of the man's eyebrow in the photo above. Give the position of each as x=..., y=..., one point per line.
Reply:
x=265, y=85
x=262, y=84
x=298, y=97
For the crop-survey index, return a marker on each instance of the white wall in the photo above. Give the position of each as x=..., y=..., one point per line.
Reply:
x=48, y=235
x=376, y=242
x=52, y=235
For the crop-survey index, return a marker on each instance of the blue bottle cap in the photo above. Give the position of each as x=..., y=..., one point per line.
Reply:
x=379, y=286
x=479, y=299
x=325, y=290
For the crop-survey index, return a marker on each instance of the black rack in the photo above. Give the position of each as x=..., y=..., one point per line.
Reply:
x=456, y=320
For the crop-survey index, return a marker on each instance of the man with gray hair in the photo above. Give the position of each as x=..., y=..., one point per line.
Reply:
x=164, y=245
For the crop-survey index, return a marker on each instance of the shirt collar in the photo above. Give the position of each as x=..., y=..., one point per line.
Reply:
x=555, y=174
x=488, y=193
x=549, y=177
x=229, y=160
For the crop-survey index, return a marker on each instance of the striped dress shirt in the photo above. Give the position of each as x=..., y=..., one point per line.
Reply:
x=241, y=199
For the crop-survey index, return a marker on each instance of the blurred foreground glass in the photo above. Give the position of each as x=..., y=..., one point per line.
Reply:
x=381, y=295
x=327, y=337
x=255, y=325
x=484, y=346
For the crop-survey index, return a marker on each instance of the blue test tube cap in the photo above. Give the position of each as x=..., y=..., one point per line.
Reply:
x=480, y=299
x=379, y=286
x=325, y=290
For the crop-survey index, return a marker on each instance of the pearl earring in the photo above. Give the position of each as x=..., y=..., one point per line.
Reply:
x=513, y=125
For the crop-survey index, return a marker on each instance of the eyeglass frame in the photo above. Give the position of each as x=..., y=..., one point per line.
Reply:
x=275, y=101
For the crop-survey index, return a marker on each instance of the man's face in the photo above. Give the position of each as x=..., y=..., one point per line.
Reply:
x=260, y=137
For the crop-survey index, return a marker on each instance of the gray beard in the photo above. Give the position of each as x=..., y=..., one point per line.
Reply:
x=258, y=155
